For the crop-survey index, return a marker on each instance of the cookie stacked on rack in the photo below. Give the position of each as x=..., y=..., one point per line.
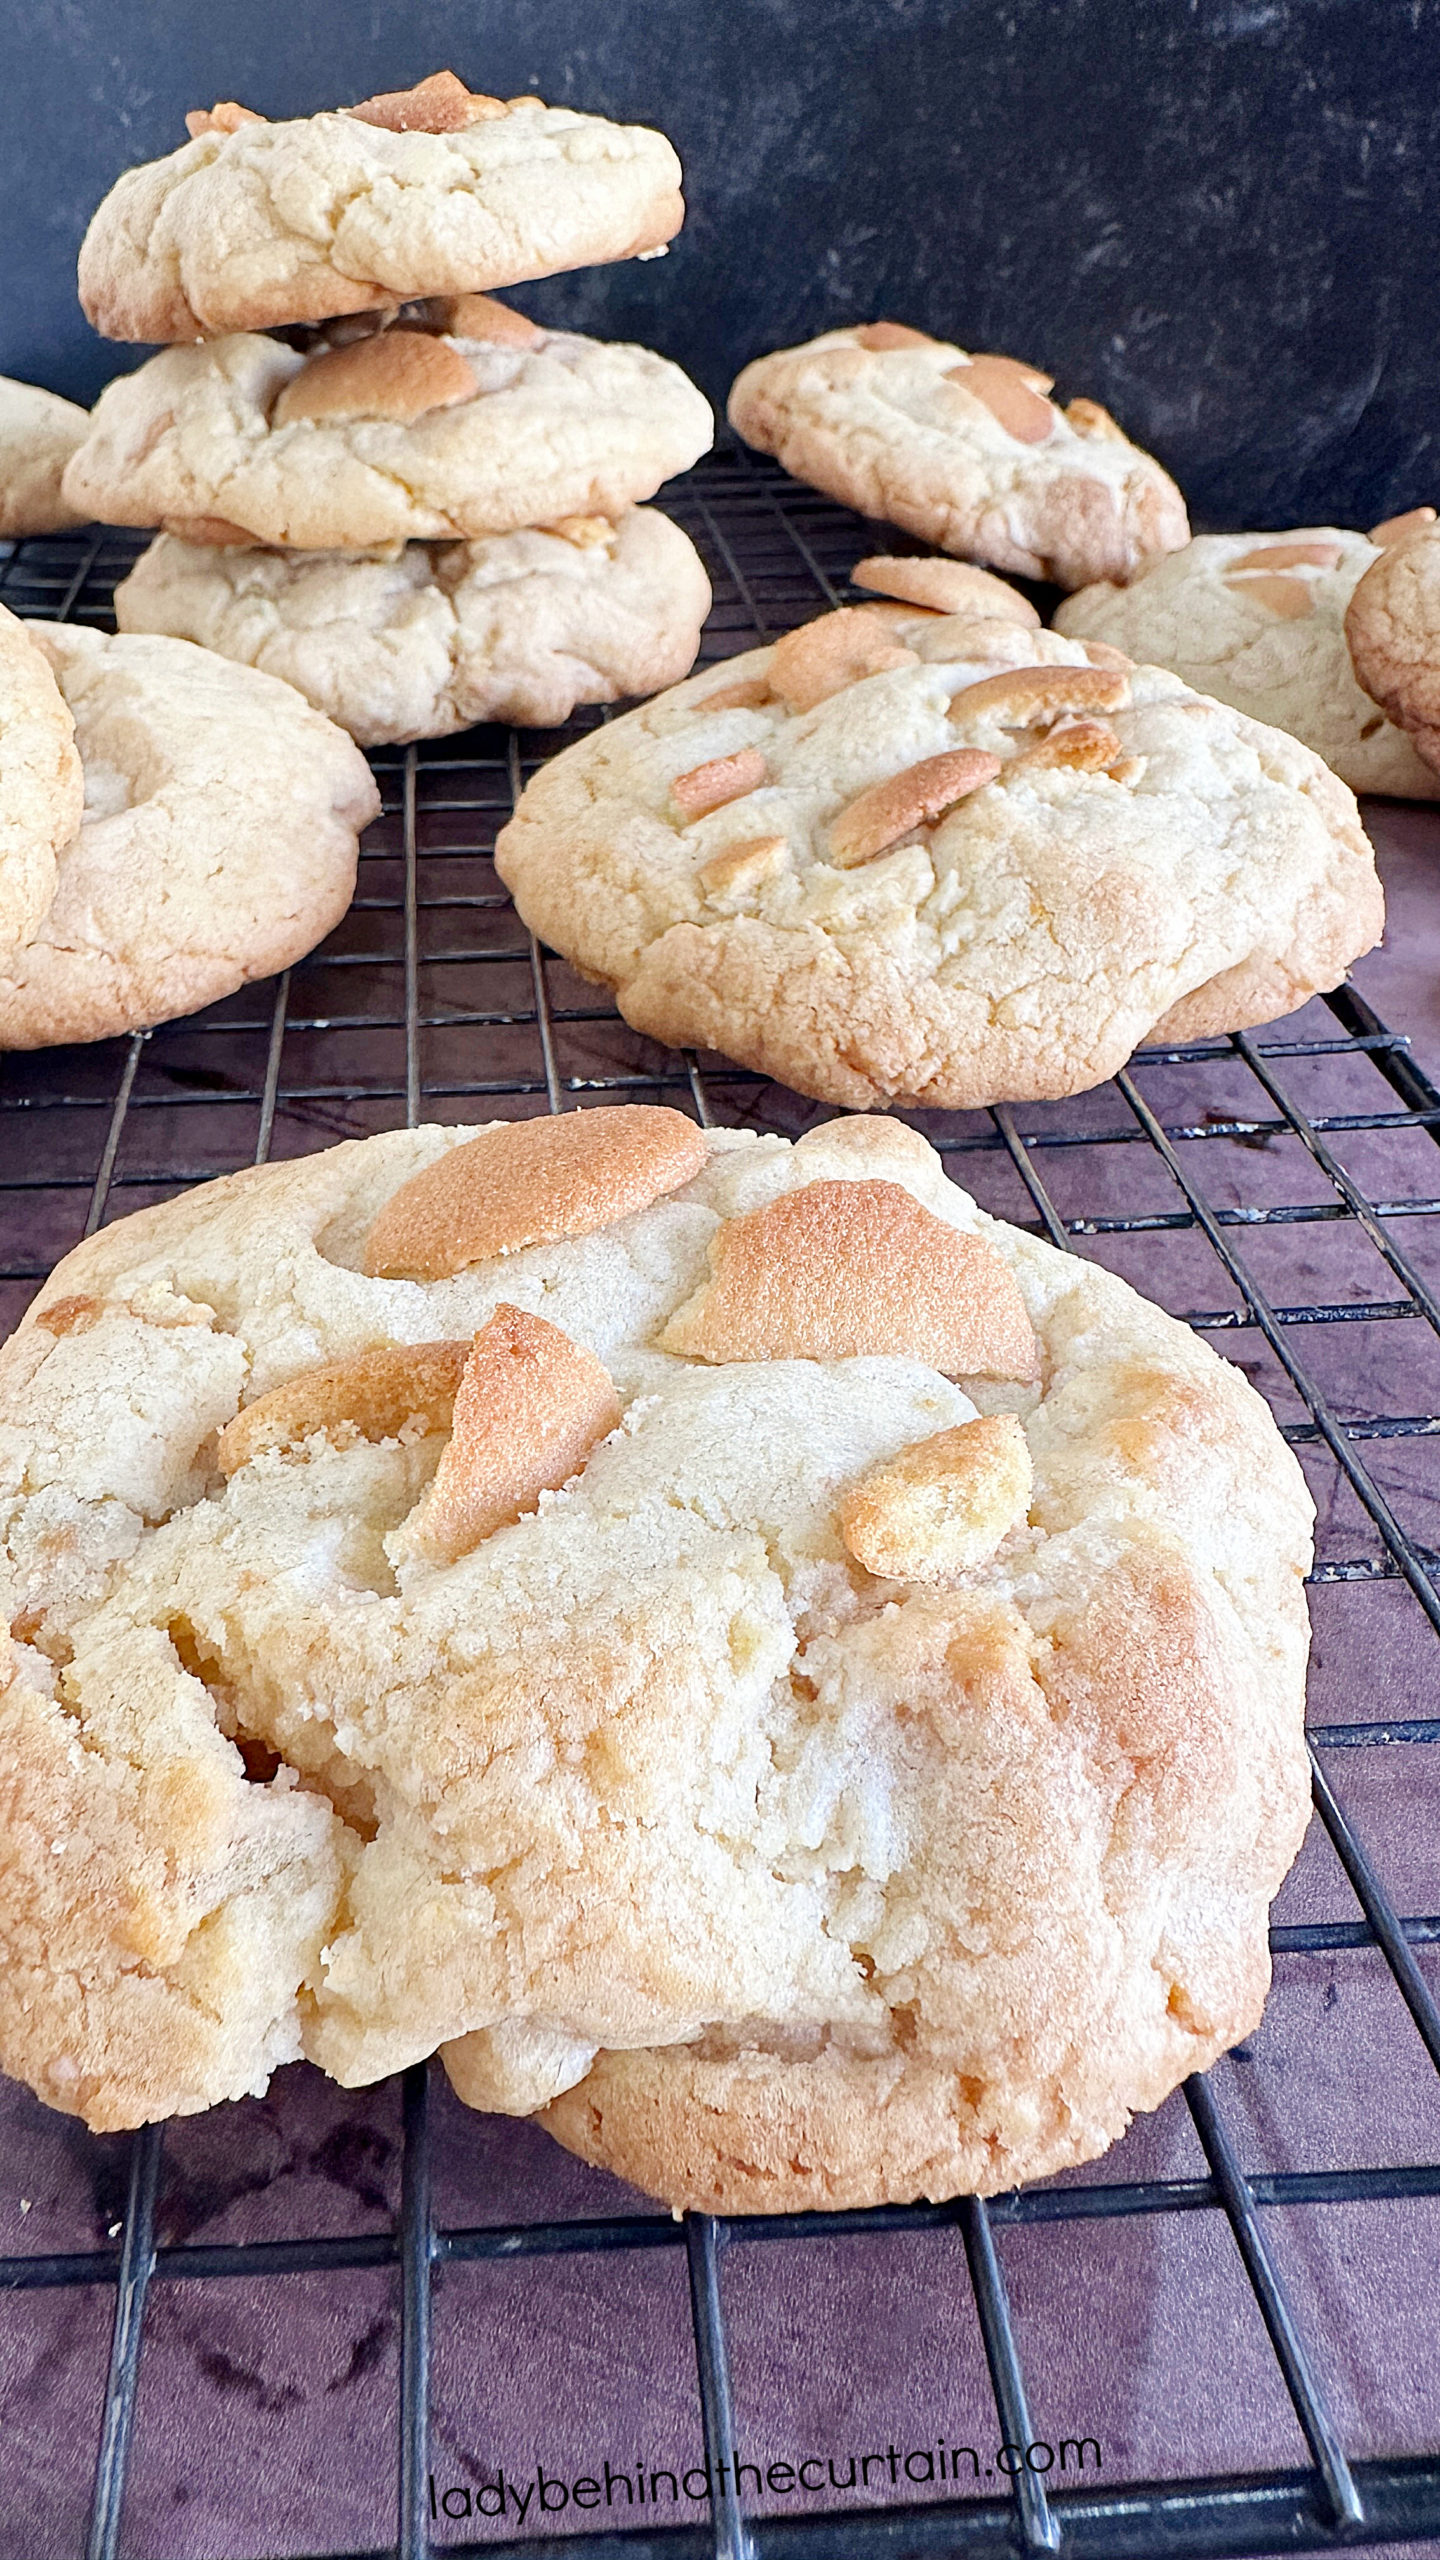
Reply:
x=371, y=477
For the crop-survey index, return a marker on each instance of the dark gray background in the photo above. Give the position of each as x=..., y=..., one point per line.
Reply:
x=1218, y=216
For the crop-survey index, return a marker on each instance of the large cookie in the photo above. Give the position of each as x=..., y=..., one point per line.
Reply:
x=521, y=627
x=434, y=190
x=1393, y=628
x=41, y=790
x=1260, y=621
x=403, y=434
x=38, y=433
x=218, y=840
x=966, y=451
x=724, y=1638
x=911, y=855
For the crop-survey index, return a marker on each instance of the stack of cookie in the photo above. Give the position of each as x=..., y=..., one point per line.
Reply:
x=414, y=504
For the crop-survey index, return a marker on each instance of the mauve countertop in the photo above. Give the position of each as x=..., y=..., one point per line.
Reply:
x=265, y=2421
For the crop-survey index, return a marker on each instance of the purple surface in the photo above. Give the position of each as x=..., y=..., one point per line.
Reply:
x=265, y=2422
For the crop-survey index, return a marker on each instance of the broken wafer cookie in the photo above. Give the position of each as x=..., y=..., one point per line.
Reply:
x=792, y=1680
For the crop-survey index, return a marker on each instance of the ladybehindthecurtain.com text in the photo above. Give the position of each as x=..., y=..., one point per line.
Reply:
x=814, y=2475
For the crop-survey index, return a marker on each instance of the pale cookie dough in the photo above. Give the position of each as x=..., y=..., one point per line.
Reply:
x=250, y=225
x=218, y=840
x=521, y=627
x=441, y=1612
x=404, y=435
x=1393, y=627
x=1259, y=620
x=910, y=856
x=965, y=451
x=41, y=789
x=38, y=433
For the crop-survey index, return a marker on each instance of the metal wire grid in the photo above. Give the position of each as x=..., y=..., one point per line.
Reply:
x=360, y=1036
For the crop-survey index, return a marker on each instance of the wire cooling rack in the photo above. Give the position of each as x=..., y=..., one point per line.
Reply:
x=1222, y=1174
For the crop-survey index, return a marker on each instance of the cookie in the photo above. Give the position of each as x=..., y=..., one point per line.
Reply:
x=795, y=1678
x=912, y=856
x=41, y=789
x=1392, y=624
x=520, y=627
x=1260, y=621
x=218, y=840
x=944, y=586
x=402, y=435
x=38, y=433
x=966, y=451
x=253, y=225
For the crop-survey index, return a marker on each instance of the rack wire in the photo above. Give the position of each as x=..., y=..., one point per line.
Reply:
x=1233, y=1165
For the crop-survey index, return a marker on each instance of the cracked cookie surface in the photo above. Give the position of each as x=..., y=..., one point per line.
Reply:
x=908, y=855
x=402, y=1663
x=520, y=627
x=966, y=451
x=217, y=841
x=1260, y=620
x=251, y=225
x=199, y=441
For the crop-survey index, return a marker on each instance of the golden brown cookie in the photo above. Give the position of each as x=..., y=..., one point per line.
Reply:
x=967, y=451
x=435, y=190
x=519, y=627
x=245, y=440
x=41, y=788
x=911, y=856
x=38, y=433
x=1263, y=621
x=823, y=1744
x=217, y=843
x=1392, y=624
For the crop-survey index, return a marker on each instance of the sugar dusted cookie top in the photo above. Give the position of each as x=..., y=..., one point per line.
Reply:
x=217, y=842
x=967, y=451
x=476, y=423
x=1262, y=621
x=38, y=433
x=941, y=857
x=723, y=1638
x=251, y=225
x=519, y=627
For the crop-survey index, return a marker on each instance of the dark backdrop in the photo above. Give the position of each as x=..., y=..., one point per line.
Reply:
x=1217, y=216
